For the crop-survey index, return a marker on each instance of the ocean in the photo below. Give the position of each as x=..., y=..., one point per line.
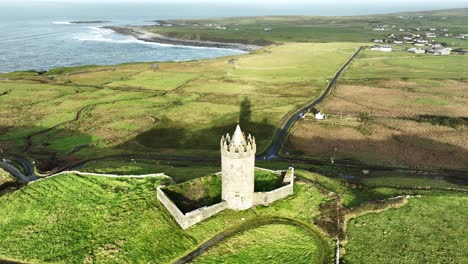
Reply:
x=39, y=35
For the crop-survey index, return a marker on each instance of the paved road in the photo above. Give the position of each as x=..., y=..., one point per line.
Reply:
x=272, y=152
x=282, y=133
x=15, y=172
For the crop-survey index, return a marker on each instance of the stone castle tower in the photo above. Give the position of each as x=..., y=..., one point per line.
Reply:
x=238, y=170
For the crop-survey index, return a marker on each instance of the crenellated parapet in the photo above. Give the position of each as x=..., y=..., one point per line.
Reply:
x=238, y=145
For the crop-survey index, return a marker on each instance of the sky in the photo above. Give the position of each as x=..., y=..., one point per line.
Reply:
x=165, y=9
x=269, y=2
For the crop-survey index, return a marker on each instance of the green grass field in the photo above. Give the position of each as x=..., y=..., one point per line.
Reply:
x=76, y=219
x=251, y=30
x=272, y=244
x=405, y=65
x=406, y=181
x=180, y=109
x=430, y=229
x=351, y=195
x=179, y=171
x=71, y=218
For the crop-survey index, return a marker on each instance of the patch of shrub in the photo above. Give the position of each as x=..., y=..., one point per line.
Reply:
x=365, y=129
x=448, y=121
x=364, y=117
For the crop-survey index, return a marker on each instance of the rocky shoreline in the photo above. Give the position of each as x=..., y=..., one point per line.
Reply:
x=141, y=34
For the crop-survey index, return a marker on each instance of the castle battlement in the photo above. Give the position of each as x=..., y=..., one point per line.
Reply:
x=238, y=145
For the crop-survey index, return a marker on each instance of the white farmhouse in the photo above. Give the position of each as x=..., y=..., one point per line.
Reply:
x=319, y=116
x=382, y=48
x=443, y=52
x=417, y=50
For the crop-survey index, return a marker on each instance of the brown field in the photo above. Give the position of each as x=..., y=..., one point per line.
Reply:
x=392, y=137
x=393, y=143
x=398, y=98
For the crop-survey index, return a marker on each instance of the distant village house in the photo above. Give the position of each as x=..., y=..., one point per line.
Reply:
x=417, y=50
x=382, y=48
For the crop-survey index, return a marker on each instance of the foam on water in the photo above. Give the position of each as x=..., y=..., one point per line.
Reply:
x=100, y=34
x=95, y=34
x=61, y=22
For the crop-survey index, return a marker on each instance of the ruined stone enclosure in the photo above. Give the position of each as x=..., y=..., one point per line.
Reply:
x=196, y=200
x=239, y=186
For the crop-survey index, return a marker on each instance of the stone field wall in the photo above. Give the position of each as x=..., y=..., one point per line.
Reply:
x=192, y=217
x=266, y=198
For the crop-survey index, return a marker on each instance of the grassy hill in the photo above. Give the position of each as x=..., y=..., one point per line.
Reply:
x=426, y=223
x=84, y=219
x=76, y=219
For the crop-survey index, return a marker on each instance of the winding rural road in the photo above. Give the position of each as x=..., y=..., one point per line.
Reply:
x=29, y=174
x=283, y=131
x=271, y=153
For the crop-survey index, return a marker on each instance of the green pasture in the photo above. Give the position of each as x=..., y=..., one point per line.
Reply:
x=351, y=195
x=182, y=108
x=71, y=218
x=284, y=29
x=397, y=65
x=411, y=182
x=429, y=229
x=274, y=243
x=178, y=171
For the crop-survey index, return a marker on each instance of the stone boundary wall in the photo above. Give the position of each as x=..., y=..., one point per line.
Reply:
x=191, y=218
x=154, y=175
x=266, y=198
x=273, y=171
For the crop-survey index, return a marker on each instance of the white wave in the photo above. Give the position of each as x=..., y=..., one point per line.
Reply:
x=95, y=34
x=61, y=22
x=100, y=34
